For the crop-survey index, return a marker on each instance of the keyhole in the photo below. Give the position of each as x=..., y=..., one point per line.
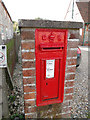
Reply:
x=46, y=83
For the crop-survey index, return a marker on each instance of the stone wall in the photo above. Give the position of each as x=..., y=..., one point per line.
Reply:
x=6, y=24
x=12, y=52
x=13, y=43
x=58, y=110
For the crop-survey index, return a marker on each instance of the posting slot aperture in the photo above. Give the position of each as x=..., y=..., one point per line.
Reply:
x=53, y=48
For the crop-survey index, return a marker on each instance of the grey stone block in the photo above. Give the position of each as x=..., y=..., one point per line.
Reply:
x=49, y=24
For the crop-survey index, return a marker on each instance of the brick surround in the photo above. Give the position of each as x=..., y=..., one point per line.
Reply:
x=59, y=110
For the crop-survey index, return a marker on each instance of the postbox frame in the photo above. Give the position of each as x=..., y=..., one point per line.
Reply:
x=61, y=85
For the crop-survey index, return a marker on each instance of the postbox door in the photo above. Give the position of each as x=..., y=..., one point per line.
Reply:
x=50, y=50
x=50, y=75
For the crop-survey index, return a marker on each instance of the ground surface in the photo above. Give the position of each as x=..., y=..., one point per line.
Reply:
x=15, y=98
x=80, y=100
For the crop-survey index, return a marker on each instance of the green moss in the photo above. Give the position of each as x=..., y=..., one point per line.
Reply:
x=10, y=44
x=88, y=115
x=17, y=116
x=12, y=98
x=10, y=53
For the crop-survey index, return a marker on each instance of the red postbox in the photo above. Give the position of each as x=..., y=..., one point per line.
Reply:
x=50, y=50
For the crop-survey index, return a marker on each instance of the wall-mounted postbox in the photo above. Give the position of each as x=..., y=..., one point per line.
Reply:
x=50, y=50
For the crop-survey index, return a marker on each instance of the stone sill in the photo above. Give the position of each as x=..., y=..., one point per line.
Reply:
x=49, y=24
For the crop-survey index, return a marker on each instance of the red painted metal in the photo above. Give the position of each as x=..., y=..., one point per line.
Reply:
x=50, y=48
x=78, y=51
